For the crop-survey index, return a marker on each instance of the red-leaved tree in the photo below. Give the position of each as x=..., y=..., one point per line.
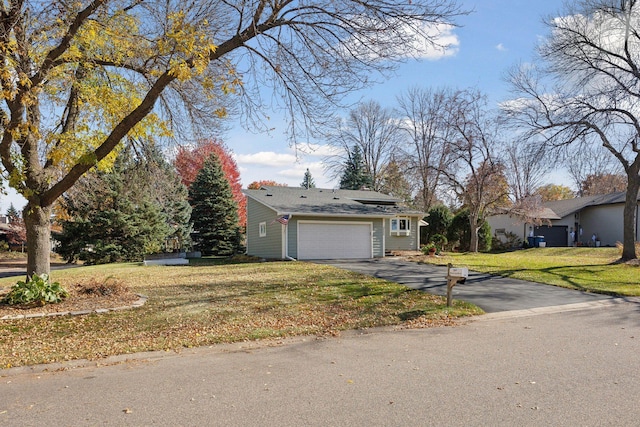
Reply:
x=188, y=163
x=256, y=185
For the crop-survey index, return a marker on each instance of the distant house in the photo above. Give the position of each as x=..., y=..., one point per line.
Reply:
x=315, y=223
x=572, y=221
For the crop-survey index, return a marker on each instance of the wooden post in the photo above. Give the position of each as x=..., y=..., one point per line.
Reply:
x=460, y=276
x=451, y=282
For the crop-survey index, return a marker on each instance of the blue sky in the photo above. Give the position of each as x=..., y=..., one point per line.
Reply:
x=496, y=36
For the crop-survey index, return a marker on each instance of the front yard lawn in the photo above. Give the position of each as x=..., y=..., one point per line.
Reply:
x=206, y=304
x=586, y=269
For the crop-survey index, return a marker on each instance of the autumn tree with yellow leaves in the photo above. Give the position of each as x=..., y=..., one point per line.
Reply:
x=81, y=77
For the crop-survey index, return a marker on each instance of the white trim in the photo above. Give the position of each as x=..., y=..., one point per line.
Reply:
x=284, y=238
x=370, y=224
x=262, y=229
x=399, y=231
x=384, y=237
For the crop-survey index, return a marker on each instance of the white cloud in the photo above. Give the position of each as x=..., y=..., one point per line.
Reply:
x=421, y=40
x=501, y=47
x=265, y=158
x=446, y=42
x=318, y=150
x=285, y=168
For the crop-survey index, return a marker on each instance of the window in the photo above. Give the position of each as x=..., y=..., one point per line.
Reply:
x=262, y=227
x=400, y=226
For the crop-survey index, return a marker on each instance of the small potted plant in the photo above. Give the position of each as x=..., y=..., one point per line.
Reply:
x=429, y=249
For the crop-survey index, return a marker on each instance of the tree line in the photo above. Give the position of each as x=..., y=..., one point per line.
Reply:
x=80, y=78
x=448, y=147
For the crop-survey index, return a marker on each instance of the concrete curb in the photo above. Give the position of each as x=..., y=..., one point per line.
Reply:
x=142, y=299
x=556, y=309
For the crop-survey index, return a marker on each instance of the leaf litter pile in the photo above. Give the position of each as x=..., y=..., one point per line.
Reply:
x=192, y=306
x=84, y=296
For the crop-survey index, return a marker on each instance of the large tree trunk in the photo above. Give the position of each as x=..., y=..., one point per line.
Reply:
x=38, y=226
x=629, y=219
x=473, y=223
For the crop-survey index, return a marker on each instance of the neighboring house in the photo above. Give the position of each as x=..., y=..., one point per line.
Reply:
x=315, y=223
x=572, y=222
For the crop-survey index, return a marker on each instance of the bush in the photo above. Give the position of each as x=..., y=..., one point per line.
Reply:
x=439, y=219
x=426, y=249
x=459, y=231
x=511, y=241
x=37, y=290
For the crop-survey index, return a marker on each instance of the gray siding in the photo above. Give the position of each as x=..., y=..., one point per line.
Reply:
x=605, y=221
x=402, y=242
x=378, y=238
x=269, y=246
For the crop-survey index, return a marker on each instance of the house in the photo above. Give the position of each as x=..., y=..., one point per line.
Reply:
x=572, y=222
x=298, y=223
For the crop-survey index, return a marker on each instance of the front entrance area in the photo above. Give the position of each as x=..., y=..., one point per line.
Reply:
x=334, y=240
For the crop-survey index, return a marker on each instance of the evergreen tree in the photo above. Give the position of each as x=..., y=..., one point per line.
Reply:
x=307, y=181
x=169, y=193
x=459, y=231
x=12, y=213
x=439, y=220
x=215, y=213
x=17, y=234
x=123, y=214
x=355, y=176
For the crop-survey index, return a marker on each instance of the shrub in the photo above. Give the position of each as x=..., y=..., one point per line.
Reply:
x=428, y=248
x=459, y=231
x=439, y=219
x=37, y=290
x=440, y=241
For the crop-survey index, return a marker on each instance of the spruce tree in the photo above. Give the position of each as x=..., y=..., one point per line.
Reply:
x=214, y=211
x=355, y=176
x=125, y=213
x=307, y=181
x=12, y=213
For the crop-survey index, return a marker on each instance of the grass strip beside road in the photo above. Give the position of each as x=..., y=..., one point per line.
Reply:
x=203, y=304
x=585, y=269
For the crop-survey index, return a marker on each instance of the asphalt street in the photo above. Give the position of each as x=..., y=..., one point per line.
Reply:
x=491, y=293
x=543, y=356
x=575, y=368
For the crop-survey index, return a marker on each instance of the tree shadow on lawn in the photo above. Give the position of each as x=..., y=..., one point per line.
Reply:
x=566, y=279
x=265, y=295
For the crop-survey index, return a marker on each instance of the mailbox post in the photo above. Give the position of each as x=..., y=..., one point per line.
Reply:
x=455, y=275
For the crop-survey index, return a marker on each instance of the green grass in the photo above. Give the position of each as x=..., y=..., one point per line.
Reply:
x=212, y=302
x=587, y=269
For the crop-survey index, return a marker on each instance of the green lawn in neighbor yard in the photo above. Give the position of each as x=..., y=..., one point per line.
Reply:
x=206, y=303
x=587, y=269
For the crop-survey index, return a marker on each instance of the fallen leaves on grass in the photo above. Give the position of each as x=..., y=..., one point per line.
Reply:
x=203, y=305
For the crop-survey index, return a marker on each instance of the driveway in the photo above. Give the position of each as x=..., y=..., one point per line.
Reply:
x=491, y=293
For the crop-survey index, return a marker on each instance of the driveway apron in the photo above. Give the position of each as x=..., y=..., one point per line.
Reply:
x=491, y=293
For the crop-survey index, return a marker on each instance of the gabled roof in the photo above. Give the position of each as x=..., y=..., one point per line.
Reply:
x=328, y=202
x=567, y=207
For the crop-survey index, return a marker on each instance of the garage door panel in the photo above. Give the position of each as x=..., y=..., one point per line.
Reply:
x=323, y=240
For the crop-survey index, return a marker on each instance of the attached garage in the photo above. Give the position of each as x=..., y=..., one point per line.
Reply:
x=555, y=236
x=334, y=240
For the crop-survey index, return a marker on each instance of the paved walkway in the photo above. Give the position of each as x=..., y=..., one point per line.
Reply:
x=491, y=293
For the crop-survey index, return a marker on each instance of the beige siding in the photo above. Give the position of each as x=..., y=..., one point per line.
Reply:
x=269, y=246
x=509, y=225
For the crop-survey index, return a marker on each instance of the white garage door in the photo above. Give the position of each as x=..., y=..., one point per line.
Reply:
x=324, y=240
